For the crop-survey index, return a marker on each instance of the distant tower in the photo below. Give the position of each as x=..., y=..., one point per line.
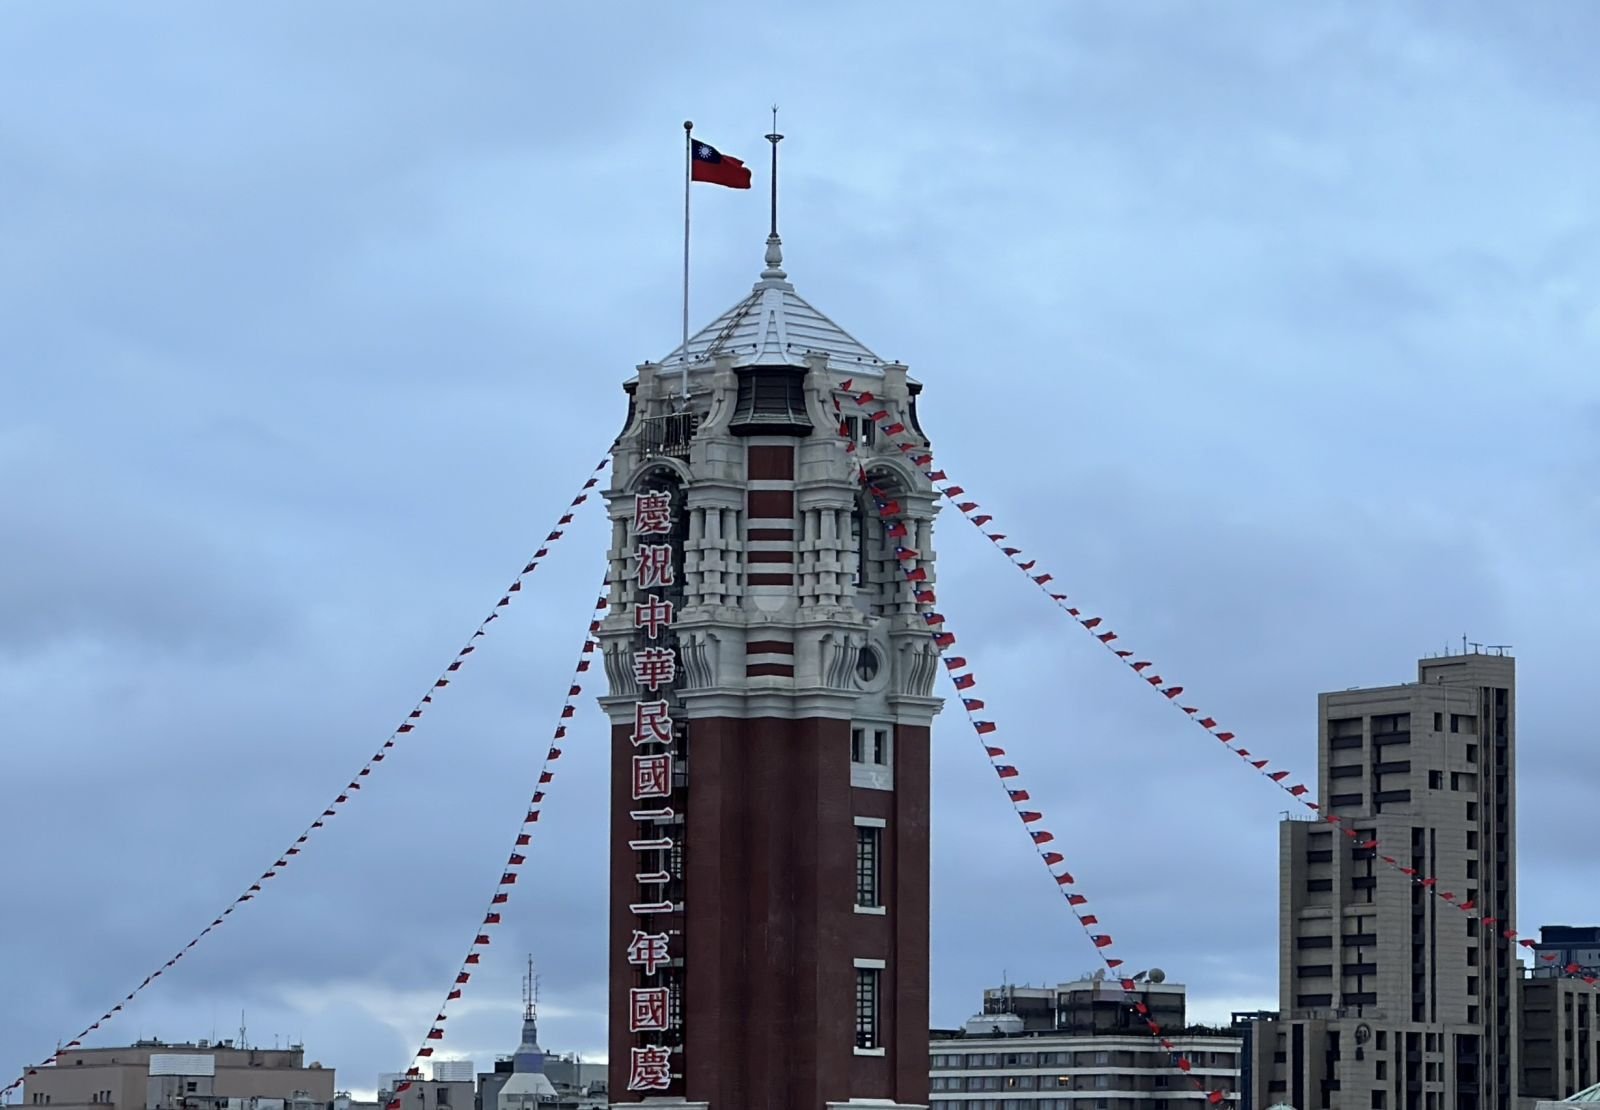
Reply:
x=770, y=699
x=528, y=1087
x=529, y=1056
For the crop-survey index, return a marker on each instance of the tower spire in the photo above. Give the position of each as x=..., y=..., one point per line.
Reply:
x=774, y=259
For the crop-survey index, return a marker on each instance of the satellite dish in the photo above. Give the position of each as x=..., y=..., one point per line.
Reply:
x=1139, y=975
x=1099, y=974
x=1157, y=975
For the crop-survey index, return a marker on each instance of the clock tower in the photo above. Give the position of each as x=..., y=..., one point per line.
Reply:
x=770, y=703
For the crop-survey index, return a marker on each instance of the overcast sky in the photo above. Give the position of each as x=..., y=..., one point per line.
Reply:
x=1269, y=329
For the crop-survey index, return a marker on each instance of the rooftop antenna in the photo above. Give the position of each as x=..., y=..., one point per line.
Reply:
x=242, y=1042
x=774, y=138
x=774, y=259
x=530, y=994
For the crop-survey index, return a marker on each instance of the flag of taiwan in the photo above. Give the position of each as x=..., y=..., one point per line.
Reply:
x=710, y=165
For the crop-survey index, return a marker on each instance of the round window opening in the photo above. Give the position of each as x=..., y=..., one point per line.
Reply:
x=867, y=665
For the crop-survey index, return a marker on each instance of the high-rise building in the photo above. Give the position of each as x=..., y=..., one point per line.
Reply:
x=1567, y=950
x=1560, y=1014
x=1560, y=1025
x=770, y=698
x=1391, y=997
x=1080, y=1046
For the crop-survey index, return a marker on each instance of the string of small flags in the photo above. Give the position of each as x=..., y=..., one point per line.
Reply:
x=1171, y=692
x=347, y=793
x=495, y=910
x=1007, y=775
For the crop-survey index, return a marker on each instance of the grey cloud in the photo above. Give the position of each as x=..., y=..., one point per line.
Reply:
x=1268, y=332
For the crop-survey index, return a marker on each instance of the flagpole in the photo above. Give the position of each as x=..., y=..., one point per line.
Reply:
x=688, y=173
x=774, y=139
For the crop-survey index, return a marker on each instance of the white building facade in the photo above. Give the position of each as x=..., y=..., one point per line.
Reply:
x=1047, y=1071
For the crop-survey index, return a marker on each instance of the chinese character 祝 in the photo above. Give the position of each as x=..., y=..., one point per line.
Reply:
x=652, y=514
x=652, y=776
x=654, y=668
x=655, y=565
x=652, y=723
x=647, y=1009
x=648, y=950
x=650, y=1069
x=652, y=614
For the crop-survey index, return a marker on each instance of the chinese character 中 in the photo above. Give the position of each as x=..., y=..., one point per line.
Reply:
x=652, y=614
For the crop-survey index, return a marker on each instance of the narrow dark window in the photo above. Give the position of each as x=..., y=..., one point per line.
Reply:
x=869, y=842
x=867, y=1007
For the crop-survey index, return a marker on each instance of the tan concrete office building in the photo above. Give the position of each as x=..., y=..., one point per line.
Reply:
x=1391, y=998
x=1560, y=1037
x=195, y=1076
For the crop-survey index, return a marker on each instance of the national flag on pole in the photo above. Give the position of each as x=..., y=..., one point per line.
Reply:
x=710, y=165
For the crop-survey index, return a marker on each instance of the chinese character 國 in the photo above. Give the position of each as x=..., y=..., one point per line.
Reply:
x=652, y=776
x=647, y=1009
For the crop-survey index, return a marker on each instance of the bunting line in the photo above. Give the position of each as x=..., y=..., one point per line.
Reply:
x=346, y=794
x=1006, y=773
x=501, y=895
x=1366, y=846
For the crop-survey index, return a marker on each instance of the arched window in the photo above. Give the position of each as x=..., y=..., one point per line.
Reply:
x=857, y=552
x=771, y=401
x=663, y=479
x=879, y=583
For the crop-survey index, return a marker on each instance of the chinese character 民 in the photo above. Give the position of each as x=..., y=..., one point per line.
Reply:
x=648, y=950
x=652, y=614
x=652, y=723
x=652, y=776
x=647, y=1009
x=655, y=565
x=654, y=668
x=652, y=514
x=650, y=1069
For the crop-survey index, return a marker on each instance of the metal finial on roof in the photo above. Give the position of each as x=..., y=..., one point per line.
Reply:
x=774, y=257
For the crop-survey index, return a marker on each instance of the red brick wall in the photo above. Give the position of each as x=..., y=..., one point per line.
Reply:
x=770, y=930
